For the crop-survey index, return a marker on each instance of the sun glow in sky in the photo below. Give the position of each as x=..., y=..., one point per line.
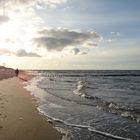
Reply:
x=70, y=34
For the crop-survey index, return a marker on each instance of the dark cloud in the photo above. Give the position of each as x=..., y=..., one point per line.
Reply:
x=75, y=51
x=23, y=53
x=4, y=19
x=58, y=39
x=51, y=43
x=19, y=53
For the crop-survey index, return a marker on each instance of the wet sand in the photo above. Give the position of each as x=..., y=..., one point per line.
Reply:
x=19, y=118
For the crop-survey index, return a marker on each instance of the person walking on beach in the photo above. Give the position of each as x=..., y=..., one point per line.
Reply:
x=17, y=72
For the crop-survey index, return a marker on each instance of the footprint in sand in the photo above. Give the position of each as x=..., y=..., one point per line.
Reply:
x=3, y=116
x=2, y=106
x=1, y=126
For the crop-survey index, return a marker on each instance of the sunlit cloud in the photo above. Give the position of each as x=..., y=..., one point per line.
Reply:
x=28, y=3
x=117, y=34
x=8, y=40
x=109, y=40
x=4, y=19
x=4, y=51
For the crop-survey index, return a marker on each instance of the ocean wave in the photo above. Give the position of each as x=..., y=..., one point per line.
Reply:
x=114, y=108
x=92, y=129
x=123, y=111
x=92, y=101
x=50, y=75
x=80, y=86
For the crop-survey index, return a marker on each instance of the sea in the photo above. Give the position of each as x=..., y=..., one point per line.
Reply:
x=90, y=104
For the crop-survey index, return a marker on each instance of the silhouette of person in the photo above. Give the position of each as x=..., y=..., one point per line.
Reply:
x=17, y=72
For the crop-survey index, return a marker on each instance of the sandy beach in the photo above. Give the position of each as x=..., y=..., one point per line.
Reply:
x=19, y=118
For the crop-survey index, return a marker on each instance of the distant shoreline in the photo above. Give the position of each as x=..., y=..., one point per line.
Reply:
x=6, y=72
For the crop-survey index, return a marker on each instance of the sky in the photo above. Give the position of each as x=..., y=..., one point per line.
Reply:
x=70, y=34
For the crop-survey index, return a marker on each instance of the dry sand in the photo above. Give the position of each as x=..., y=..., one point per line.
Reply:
x=19, y=118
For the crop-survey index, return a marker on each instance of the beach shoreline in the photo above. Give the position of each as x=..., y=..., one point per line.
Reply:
x=19, y=117
x=6, y=73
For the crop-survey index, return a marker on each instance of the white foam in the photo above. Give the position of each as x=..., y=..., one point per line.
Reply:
x=86, y=127
x=34, y=90
x=56, y=105
x=80, y=85
x=108, y=134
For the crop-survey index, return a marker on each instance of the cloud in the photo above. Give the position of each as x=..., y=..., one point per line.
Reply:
x=54, y=3
x=23, y=53
x=4, y=51
x=83, y=53
x=29, y=3
x=8, y=40
x=109, y=40
x=19, y=53
x=60, y=38
x=75, y=51
x=93, y=44
x=115, y=34
x=4, y=19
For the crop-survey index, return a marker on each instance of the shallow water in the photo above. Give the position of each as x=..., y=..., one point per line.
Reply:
x=90, y=104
